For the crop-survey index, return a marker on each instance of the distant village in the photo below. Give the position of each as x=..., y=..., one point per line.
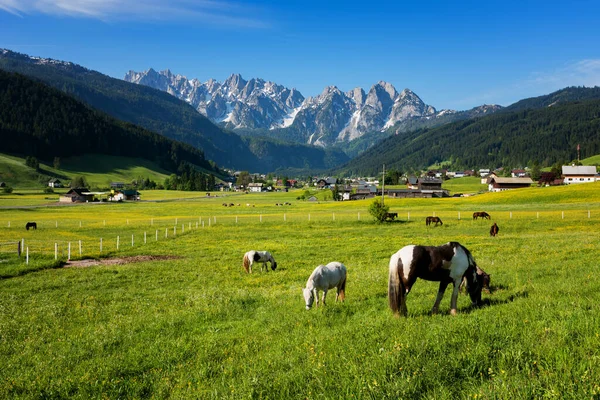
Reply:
x=429, y=185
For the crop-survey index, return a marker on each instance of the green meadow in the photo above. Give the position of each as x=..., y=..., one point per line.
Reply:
x=195, y=325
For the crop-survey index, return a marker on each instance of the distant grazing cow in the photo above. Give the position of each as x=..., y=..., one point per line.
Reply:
x=494, y=230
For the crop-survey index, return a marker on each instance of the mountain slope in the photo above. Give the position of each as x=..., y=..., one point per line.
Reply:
x=546, y=135
x=566, y=95
x=37, y=120
x=159, y=112
x=331, y=118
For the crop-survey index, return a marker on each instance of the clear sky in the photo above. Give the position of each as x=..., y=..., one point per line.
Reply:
x=453, y=54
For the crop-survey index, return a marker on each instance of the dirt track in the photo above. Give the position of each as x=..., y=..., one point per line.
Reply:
x=115, y=261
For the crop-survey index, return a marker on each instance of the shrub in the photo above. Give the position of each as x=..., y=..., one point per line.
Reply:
x=378, y=210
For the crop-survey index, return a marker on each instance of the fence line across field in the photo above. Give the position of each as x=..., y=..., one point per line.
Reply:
x=76, y=225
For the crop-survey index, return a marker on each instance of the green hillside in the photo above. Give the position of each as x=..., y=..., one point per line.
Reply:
x=163, y=113
x=98, y=170
x=37, y=120
x=514, y=139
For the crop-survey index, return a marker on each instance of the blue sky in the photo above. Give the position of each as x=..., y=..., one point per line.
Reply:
x=452, y=54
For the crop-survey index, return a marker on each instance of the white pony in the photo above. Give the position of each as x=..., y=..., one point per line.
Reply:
x=325, y=277
x=258, y=256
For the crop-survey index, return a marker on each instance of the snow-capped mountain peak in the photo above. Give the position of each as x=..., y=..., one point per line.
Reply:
x=324, y=119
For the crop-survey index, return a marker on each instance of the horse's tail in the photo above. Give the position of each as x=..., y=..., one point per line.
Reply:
x=246, y=262
x=396, y=290
x=342, y=288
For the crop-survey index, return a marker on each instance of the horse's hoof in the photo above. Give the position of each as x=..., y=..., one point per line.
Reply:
x=453, y=312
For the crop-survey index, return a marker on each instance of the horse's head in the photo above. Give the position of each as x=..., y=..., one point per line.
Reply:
x=273, y=265
x=475, y=283
x=309, y=297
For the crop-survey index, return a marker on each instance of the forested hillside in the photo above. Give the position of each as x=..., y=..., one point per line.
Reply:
x=163, y=113
x=37, y=120
x=547, y=135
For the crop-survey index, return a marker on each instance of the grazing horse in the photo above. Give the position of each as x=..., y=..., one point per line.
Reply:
x=430, y=220
x=494, y=230
x=449, y=263
x=325, y=277
x=258, y=256
x=30, y=225
x=481, y=214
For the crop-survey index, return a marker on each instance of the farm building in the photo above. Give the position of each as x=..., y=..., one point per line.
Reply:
x=55, y=183
x=121, y=195
x=496, y=184
x=415, y=193
x=255, y=187
x=578, y=174
x=75, y=195
x=117, y=185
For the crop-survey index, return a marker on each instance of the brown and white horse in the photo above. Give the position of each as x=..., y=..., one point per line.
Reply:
x=258, y=256
x=446, y=264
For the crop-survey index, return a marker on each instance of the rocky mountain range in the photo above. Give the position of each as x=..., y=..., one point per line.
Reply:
x=324, y=120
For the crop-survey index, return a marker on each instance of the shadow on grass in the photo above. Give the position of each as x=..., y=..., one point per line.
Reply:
x=486, y=302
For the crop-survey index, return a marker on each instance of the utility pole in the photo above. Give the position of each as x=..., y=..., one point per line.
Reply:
x=383, y=187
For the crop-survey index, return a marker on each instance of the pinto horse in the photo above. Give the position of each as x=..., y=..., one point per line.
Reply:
x=430, y=220
x=449, y=263
x=494, y=230
x=325, y=277
x=258, y=256
x=30, y=225
x=481, y=214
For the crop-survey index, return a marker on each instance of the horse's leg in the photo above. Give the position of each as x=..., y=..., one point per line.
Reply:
x=324, y=294
x=316, y=296
x=440, y=295
x=453, y=302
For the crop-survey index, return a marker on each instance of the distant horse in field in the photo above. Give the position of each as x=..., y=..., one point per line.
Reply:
x=431, y=220
x=30, y=225
x=494, y=230
x=258, y=256
x=481, y=214
x=449, y=263
x=325, y=277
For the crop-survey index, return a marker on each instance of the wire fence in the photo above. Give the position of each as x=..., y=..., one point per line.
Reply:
x=90, y=240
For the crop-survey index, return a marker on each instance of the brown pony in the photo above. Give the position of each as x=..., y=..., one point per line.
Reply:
x=436, y=220
x=481, y=214
x=494, y=230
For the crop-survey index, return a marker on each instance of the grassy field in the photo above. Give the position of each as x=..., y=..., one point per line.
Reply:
x=467, y=184
x=197, y=326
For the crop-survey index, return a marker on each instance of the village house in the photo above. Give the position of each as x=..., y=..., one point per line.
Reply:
x=326, y=183
x=117, y=185
x=578, y=174
x=496, y=184
x=518, y=173
x=255, y=187
x=123, y=195
x=55, y=183
x=77, y=195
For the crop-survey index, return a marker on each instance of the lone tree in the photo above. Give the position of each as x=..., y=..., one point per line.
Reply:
x=378, y=210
